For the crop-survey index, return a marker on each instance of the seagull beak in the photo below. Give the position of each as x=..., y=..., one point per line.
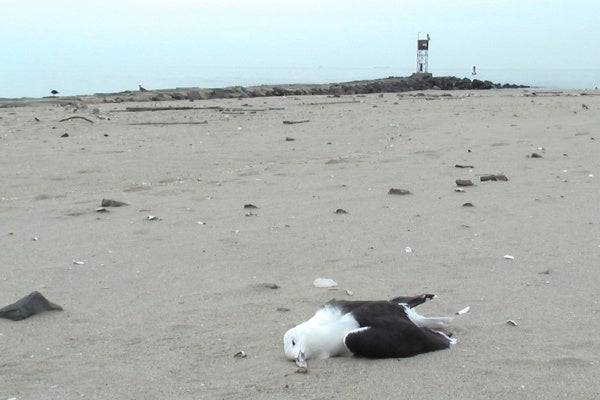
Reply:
x=301, y=360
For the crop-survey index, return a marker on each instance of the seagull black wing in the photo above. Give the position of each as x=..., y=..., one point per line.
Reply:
x=386, y=331
x=413, y=301
x=350, y=305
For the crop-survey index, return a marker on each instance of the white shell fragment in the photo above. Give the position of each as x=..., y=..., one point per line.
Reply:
x=463, y=311
x=511, y=322
x=152, y=217
x=324, y=283
x=240, y=354
x=509, y=257
x=78, y=262
x=408, y=249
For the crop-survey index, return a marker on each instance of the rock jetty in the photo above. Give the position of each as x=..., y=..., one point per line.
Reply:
x=384, y=85
x=417, y=81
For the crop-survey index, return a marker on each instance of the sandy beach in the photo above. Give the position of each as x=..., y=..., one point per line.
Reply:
x=160, y=294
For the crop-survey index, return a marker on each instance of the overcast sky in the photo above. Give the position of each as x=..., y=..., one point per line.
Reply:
x=46, y=34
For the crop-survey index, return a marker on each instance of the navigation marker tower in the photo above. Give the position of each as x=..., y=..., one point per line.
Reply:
x=423, y=55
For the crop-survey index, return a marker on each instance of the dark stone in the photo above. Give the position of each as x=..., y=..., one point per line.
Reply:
x=178, y=96
x=29, y=305
x=221, y=94
x=112, y=203
x=476, y=84
x=194, y=95
x=464, y=182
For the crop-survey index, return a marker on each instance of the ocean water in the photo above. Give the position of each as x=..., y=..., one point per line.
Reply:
x=79, y=80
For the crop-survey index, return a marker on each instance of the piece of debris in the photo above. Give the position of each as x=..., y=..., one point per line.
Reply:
x=170, y=123
x=282, y=309
x=76, y=117
x=101, y=209
x=464, y=182
x=64, y=135
x=302, y=365
x=408, y=249
x=29, y=305
x=493, y=178
x=584, y=107
x=509, y=257
x=324, y=283
x=534, y=155
x=458, y=189
x=463, y=311
x=398, y=191
x=112, y=203
x=250, y=206
x=296, y=122
x=341, y=211
x=468, y=205
x=78, y=262
x=511, y=322
x=289, y=139
x=463, y=166
x=152, y=218
x=240, y=354
x=546, y=272
x=267, y=285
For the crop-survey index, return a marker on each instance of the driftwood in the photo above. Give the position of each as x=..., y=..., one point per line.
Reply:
x=494, y=178
x=225, y=110
x=328, y=103
x=399, y=191
x=171, y=123
x=242, y=110
x=296, y=122
x=77, y=117
x=141, y=109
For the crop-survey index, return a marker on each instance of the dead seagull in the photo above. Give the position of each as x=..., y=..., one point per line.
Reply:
x=373, y=329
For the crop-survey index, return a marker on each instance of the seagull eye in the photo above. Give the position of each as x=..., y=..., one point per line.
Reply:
x=293, y=342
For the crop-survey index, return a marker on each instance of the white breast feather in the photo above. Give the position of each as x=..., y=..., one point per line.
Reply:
x=326, y=331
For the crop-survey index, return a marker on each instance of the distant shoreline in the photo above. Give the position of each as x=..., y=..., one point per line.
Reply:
x=390, y=84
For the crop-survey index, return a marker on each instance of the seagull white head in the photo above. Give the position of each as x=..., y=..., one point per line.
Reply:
x=294, y=344
x=322, y=336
